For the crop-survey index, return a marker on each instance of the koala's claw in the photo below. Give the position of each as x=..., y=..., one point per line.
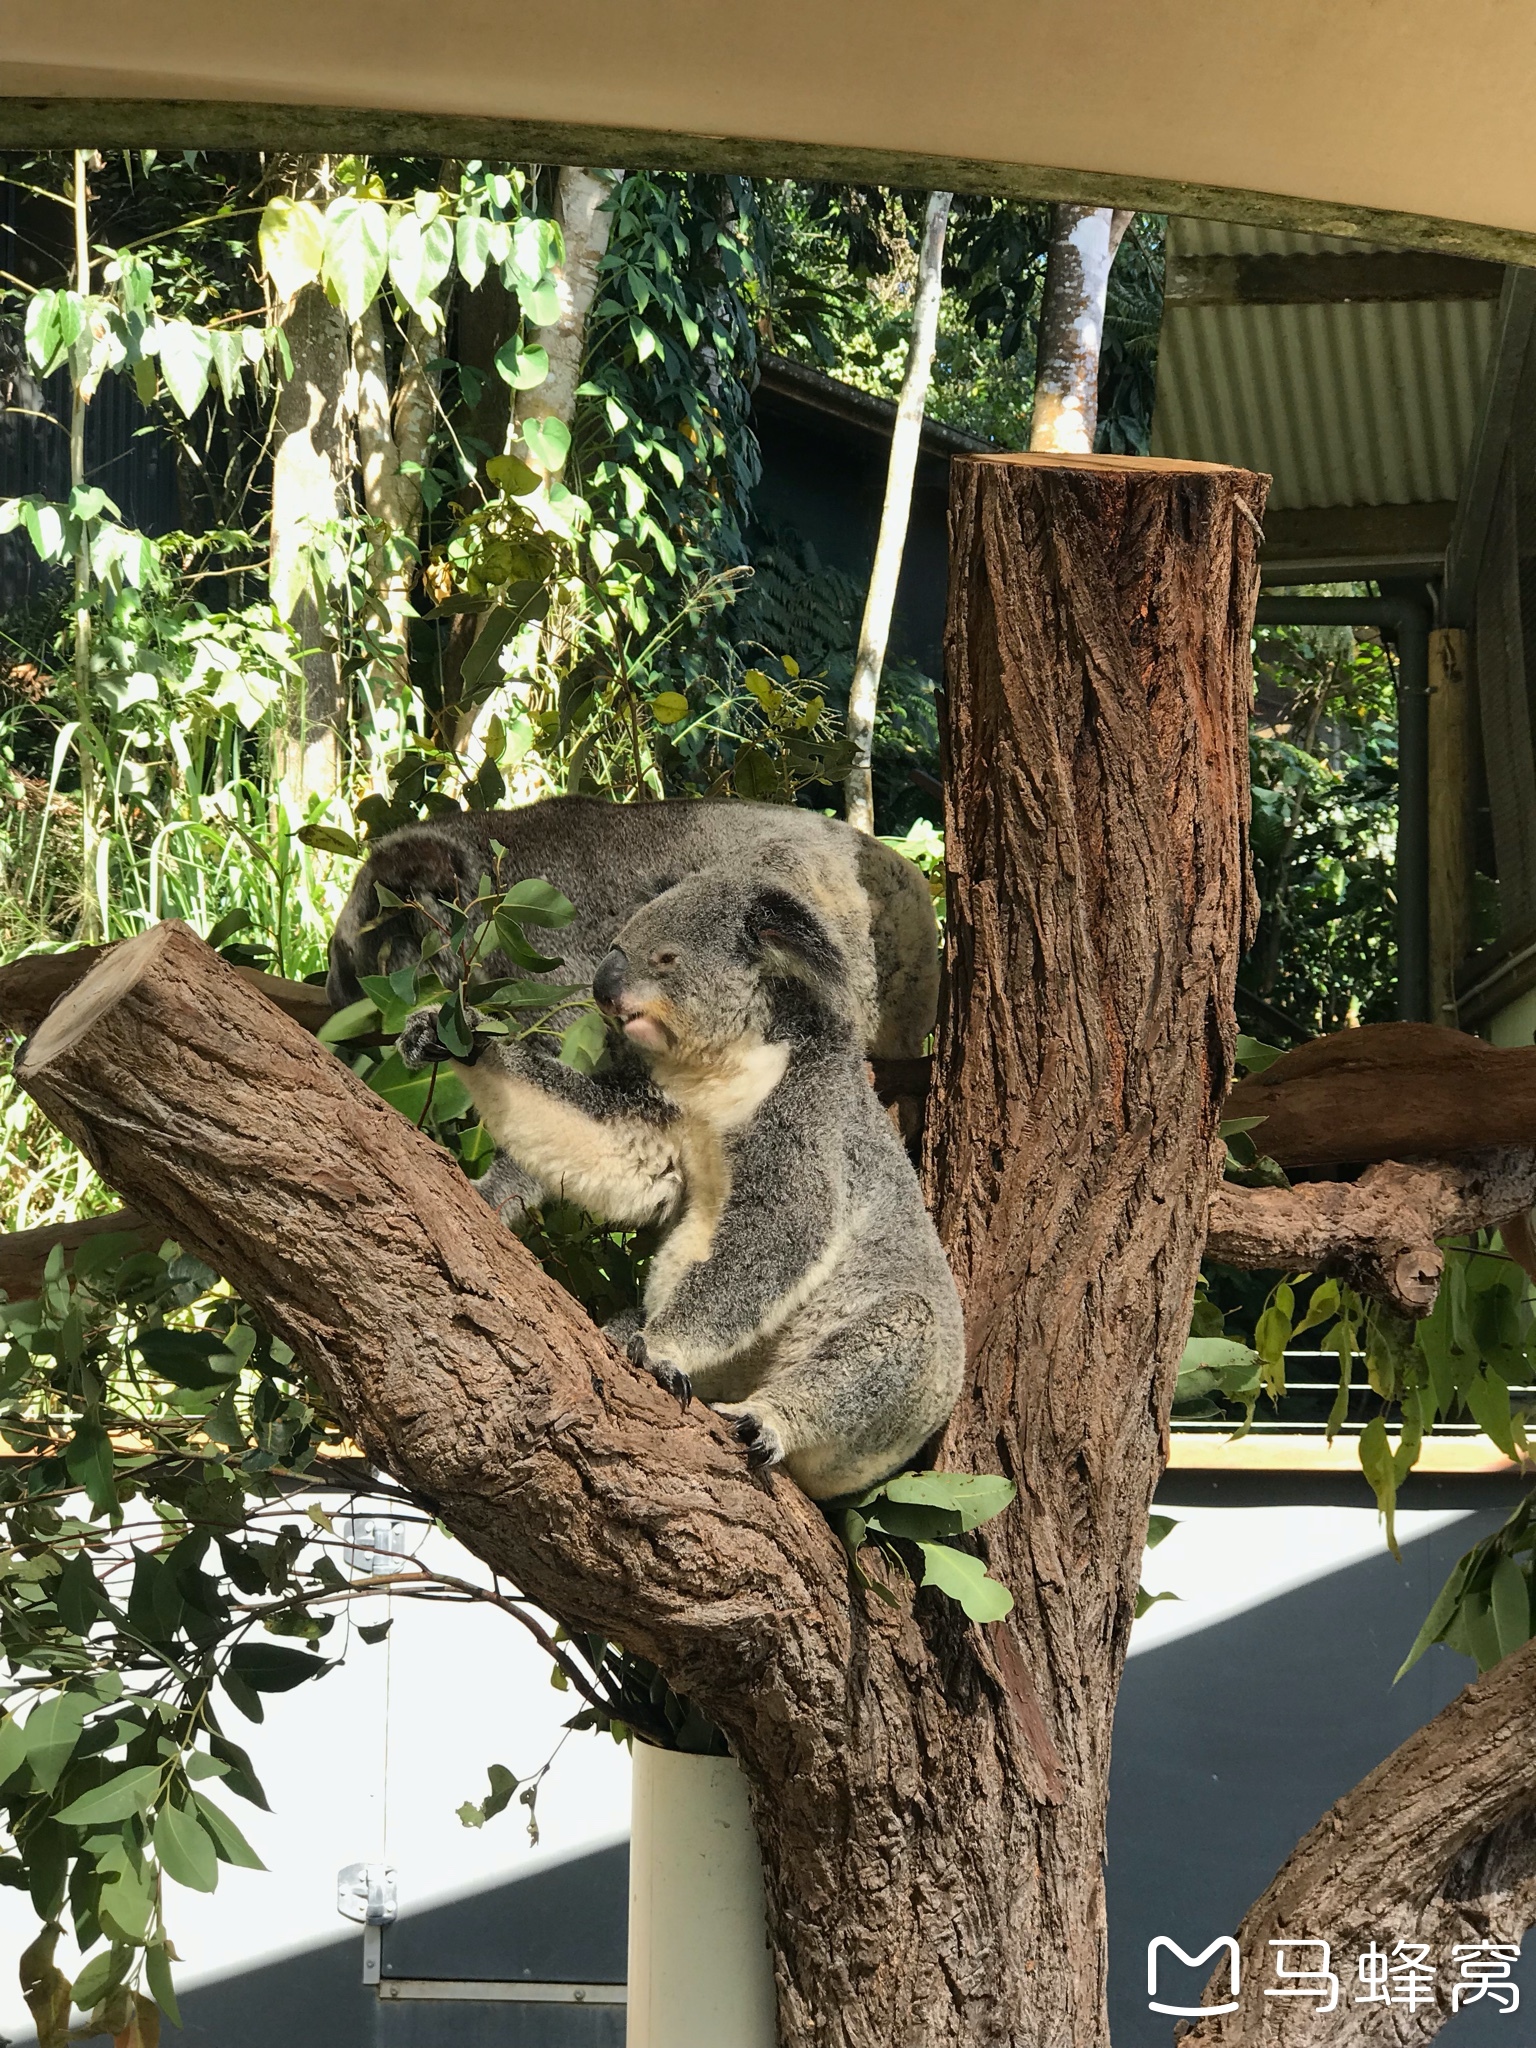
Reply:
x=666, y=1375
x=760, y=1438
x=419, y=1044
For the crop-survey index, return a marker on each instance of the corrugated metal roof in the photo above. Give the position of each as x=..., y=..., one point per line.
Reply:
x=1353, y=404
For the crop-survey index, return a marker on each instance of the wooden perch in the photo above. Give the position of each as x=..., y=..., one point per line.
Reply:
x=1378, y=1232
x=1437, y=1845
x=24, y=1254
x=1390, y=1091
x=30, y=987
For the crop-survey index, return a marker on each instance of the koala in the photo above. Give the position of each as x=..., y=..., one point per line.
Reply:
x=799, y=1286
x=609, y=859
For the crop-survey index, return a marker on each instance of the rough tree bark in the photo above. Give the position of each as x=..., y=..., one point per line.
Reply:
x=929, y=1798
x=1077, y=266
x=1437, y=1845
x=1096, y=810
x=1378, y=1232
x=895, y=512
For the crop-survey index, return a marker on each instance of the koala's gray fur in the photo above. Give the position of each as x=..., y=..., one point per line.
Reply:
x=609, y=859
x=799, y=1287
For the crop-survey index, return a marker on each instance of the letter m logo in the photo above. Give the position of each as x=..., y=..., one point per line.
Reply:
x=1192, y=2012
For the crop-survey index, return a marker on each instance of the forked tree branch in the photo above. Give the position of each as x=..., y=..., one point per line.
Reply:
x=1437, y=1845
x=1378, y=1232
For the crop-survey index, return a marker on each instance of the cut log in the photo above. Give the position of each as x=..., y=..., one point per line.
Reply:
x=1390, y=1091
x=1378, y=1232
x=30, y=987
x=24, y=1254
x=1096, y=780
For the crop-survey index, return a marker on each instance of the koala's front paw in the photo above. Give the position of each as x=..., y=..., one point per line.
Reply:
x=763, y=1443
x=662, y=1370
x=419, y=1044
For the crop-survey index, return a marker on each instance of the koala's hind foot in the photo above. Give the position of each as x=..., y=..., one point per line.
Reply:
x=764, y=1445
x=662, y=1370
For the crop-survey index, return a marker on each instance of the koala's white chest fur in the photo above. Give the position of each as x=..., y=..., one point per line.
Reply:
x=713, y=1100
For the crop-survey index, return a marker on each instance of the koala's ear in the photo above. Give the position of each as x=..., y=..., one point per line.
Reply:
x=780, y=924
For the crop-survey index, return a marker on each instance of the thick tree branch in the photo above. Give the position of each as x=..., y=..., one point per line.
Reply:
x=30, y=987
x=459, y=1365
x=1437, y=1845
x=1378, y=1232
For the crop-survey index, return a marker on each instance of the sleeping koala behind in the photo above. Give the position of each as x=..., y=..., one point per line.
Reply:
x=799, y=1286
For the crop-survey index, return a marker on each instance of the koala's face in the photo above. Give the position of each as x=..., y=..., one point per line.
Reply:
x=710, y=962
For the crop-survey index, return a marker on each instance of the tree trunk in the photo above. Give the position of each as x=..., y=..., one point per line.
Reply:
x=1083, y=244
x=929, y=1797
x=1096, y=811
x=885, y=573
x=395, y=425
x=1436, y=1846
x=311, y=464
x=581, y=197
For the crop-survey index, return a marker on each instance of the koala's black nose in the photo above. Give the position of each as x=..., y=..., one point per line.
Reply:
x=608, y=982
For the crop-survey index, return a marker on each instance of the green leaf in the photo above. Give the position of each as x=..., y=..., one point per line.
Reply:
x=185, y=1850
x=88, y=1461
x=157, y=1974
x=1159, y=1527
x=329, y=839
x=1509, y=1598
x=1487, y=1396
x=355, y=1021
x=669, y=707
x=473, y=242
x=548, y=441
x=1439, y=1618
x=965, y=1579
x=512, y=475
x=103, y=1973
x=356, y=253
x=537, y=902
x=131, y=1791
x=186, y=359
x=1254, y=1055
x=481, y=668
x=1377, y=1464
x=231, y=1844
x=522, y=365
x=270, y=1667
x=581, y=1046
x=53, y=1729
x=975, y=1496
x=375, y=1631
x=184, y=1357
x=292, y=243
x=13, y=1746
x=1146, y=1601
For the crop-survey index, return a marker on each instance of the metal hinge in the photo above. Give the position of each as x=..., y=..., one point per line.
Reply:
x=367, y=1893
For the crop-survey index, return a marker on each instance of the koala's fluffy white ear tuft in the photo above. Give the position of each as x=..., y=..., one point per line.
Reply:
x=780, y=925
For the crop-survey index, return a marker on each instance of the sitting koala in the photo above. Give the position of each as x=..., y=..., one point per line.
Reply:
x=799, y=1287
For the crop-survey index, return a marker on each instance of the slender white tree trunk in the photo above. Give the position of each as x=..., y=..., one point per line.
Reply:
x=311, y=466
x=91, y=925
x=875, y=631
x=580, y=208
x=394, y=437
x=1083, y=244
